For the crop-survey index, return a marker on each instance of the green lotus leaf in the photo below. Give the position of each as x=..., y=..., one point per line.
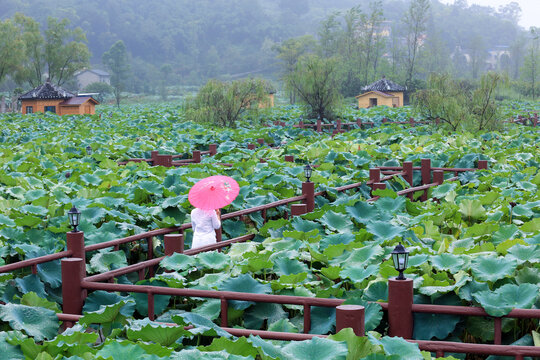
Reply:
x=4, y=220
x=300, y=224
x=365, y=213
x=8, y=350
x=74, y=335
x=151, y=187
x=337, y=222
x=316, y=348
x=104, y=261
x=194, y=354
x=141, y=299
x=90, y=179
x=93, y=215
x=178, y=262
x=399, y=346
x=358, y=347
x=283, y=325
x=267, y=348
x=121, y=350
x=32, y=299
x=244, y=283
x=210, y=309
x=98, y=299
x=333, y=239
x=490, y=268
x=34, y=210
x=472, y=209
x=239, y=346
x=40, y=323
x=286, y=266
x=105, y=314
x=428, y=326
x=256, y=315
x=28, y=220
x=442, y=190
x=234, y=228
x=213, y=260
x=524, y=253
x=450, y=262
x=376, y=291
x=31, y=283
x=323, y=319
x=390, y=205
x=202, y=325
x=147, y=330
x=501, y=301
x=505, y=232
x=382, y=230
x=528, y=275
x=50, y=273
x=359, y=274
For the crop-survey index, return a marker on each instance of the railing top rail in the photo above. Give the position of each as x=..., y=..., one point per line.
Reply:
x=472, y=311
x=484, y=349
x=35, y=261
x=228, y=295
x=148, y=263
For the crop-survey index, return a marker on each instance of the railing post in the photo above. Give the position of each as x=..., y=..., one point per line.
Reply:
x=218, y=234
x=482, y=164
x=408, y=169
x=224, y=312
x=251, y=146
x=400, y=301
x=153, y=154
x=163, y=160
x=374, y=176
x=535, y=120
x=438, y=176
x=174, y=243
x=425, y=169
x=213, y=149
x=359, y=122
x=308, y=189
x=351, y=316
x=411, y=121
x=338, y=125
x=260, y=141
x=298, y=209
x=301, y=124
x=196, y=156
x=72, y=292
x=384, y=120
x=497, y=330
x=319, y=125
x=289, y=158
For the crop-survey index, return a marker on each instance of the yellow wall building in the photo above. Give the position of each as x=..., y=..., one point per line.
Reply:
x=52, y=98
x=381, y=92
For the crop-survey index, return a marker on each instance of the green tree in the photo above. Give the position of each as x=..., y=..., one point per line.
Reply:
x=531, y=64
x=31, y=69
x=103, y=90
x=223, y=104
x=415, y=20
x=458, y=104
x=12, y=48
x=316, y=82
x=65, y=50
x=289, y=52
x=116, y=60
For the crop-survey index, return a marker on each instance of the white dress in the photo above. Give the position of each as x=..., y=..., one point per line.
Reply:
x=204, y=224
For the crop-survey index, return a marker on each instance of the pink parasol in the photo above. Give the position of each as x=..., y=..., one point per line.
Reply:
x=213, y=192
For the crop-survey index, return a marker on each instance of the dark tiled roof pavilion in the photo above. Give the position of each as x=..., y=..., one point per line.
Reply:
x=46, y=91
x=384, y=85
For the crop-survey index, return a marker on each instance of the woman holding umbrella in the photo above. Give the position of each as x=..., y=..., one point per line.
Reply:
x=208, y=196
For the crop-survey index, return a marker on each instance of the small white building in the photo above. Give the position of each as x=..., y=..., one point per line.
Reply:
x=89, y=76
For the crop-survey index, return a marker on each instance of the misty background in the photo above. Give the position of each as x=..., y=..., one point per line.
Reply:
x=185, y=42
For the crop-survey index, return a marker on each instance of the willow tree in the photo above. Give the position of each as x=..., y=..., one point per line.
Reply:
x=11, y=48
x=224, y=103
x=316, y=82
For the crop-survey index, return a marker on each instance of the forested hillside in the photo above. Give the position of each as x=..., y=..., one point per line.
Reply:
x=197, y=40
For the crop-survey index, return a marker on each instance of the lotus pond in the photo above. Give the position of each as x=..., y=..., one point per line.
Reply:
x=475, y=242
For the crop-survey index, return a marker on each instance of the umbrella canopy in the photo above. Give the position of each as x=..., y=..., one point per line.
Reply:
x=213, y=192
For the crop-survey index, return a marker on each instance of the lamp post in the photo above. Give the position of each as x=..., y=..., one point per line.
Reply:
x=307, y=171
x=400, y=256
x=88, y=150
x=308, y=189
x=74, y=217
x=400, y=297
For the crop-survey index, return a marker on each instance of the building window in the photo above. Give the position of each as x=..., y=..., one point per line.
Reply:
x=29, y=109
x=51, y=109
x=372, y=102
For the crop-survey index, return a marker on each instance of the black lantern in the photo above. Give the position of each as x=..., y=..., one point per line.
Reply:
x=74, y=217
x=307, y=171
x=88, y=150
x=401, y=257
